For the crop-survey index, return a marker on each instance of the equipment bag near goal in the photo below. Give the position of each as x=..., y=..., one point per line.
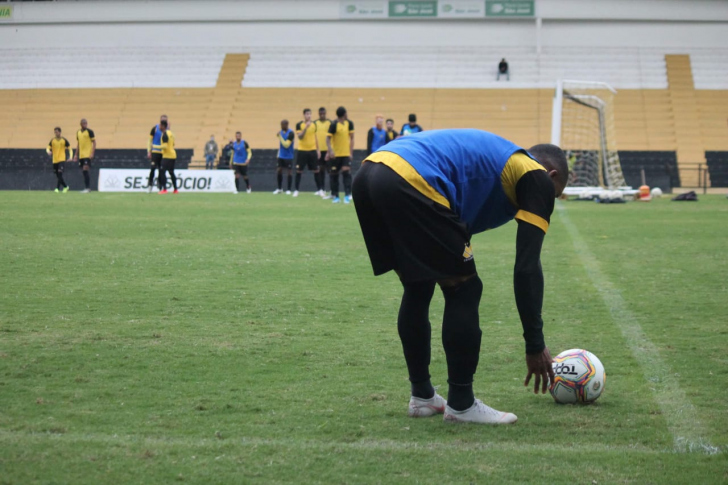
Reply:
x=583, y=126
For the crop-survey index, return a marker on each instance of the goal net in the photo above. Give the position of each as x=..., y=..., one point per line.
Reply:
x=583, y=126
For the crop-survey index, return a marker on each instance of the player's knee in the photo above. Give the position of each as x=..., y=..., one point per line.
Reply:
x=462, y=286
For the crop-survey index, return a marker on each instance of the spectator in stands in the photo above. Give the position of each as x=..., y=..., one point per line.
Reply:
x=225, y=155
x=285, y=156
x=210, y=153
x=391, y=134
x=377, y=136
x=85, y=151
x=412, y=127
x=57, y=150
x=322, y=132
x=503, y=70
x=340, y=143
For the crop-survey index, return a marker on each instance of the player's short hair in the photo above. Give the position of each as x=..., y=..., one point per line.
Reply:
x=322, y=109
x=238, y=133
x=552, y=158
x=340, y=111
x=389, y=119
x=378, y=115
x=412, y=118
x=163, y=123
x=57, y=128
x=163, y=116
x=306, y=110
x=83, y=120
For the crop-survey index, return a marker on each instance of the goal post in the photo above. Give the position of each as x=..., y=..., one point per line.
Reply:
x=583, y=126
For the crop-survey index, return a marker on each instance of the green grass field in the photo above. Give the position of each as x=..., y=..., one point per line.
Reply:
x=243, y=339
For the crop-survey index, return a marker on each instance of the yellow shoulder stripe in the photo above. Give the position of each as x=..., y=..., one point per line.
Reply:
x=517, y=166
x=533, y=219
x=407, y=172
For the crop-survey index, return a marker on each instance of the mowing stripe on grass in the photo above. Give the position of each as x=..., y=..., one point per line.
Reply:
x=679, y=412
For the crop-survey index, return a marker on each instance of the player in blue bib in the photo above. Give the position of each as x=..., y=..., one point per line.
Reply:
x=285, y=156
x=240, y=156
x=419, y=199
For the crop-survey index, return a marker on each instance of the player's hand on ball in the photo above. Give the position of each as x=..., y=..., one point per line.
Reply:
x=540, y=366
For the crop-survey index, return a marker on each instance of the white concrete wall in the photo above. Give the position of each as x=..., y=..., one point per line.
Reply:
x=675, y=24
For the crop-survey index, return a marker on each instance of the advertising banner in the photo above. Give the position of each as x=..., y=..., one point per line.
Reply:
x=505, y=8
x=135, y=180
x=461, y=9
x=6, y=12
x=366, y=9
x=413, y=9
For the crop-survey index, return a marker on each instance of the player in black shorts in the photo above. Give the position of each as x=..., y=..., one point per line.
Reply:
x=419, y=200
x=240, y=155
x=85, y=151
x=340, y=143
x=154, y=152
x=308, y=151
x=322, y=130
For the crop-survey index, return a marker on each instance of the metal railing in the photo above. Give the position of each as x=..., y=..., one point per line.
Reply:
x=702, y=175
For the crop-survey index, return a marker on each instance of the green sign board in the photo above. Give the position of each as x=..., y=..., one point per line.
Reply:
x=512, y=8
x=413, y=9
x=6, y=12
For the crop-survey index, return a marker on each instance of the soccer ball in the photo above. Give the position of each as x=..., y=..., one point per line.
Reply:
x=656, y=193
x=579, y=377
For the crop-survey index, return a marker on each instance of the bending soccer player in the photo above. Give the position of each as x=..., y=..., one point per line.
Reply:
x=57, y=151
x=85, y=151
x=240, y=156
x=308, y=151
x=419, y=199
x=169, y=157
x=285, y=156
x=340, y=143
x=154, y=153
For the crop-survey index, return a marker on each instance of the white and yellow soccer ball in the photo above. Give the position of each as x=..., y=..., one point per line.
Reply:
x=579, y=377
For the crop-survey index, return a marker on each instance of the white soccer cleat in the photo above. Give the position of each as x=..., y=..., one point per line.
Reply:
x=295, y=193
x=235, y=191
x=85, y=191
x=479, y=413
x=424, y=408
x=326, y=197
x=248, y=190
x=288, y=192
x=277, y=191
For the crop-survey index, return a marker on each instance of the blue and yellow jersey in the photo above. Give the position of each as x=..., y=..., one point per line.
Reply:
x=340, y=133
x=57, y=147
x=155, y=140
x=85, y=138
x=167, y=146
x=478, y=175
x=240, y=154
x=285, y=141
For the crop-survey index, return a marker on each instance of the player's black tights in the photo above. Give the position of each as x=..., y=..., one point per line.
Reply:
x=151, y=177
x=86, y=179
x=413, y=324
x=334, y=180
x=461, y=339
x=163, y=178
x=60, y=183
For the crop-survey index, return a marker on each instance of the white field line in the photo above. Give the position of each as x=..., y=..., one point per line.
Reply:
x=679, y=413
x=407, y=443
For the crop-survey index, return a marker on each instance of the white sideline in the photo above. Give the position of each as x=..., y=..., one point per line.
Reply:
x=679, y=412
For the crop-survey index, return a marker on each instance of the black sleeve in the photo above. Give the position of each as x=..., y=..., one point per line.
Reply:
x=246, y=145
x=165, y=138
x=351, y=125
x=151, y=133
x=91, y=133
x=528, y=285
x=68, y=145
x=535, y=194
x=299, y=125
x=370, y=138
x=332, y=127
x=290, y=136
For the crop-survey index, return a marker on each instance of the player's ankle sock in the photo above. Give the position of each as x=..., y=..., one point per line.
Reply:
x=247, y=183
x=150, y=182
x=290, y=182
x=298, y=180
x=237, y=184
x=280, y=181
x=459, y=397
x=334, y=181
x=461, y=333
x=347, y=182
x=174, y=179
x=413, y=326
x=86, y=179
